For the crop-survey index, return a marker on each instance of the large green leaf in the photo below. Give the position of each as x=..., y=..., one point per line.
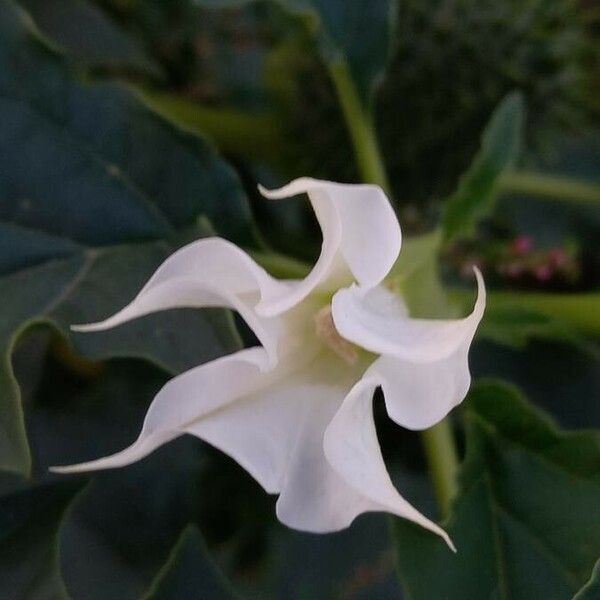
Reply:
x=591, y=590
x=126, y=522
x=82, y=29
x=95, y=191
x=248, y=134
x=556, y=377
x=361, y=33
x=526, y=522
x=29, y=554
x=500, y=146
x=190, y=573
x=302, y=567
x=357, y=33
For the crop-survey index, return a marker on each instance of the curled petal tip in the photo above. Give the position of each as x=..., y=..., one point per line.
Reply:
x=293, y=188
x=274, y=194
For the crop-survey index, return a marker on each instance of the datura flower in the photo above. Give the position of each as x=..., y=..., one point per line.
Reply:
x=296, y=412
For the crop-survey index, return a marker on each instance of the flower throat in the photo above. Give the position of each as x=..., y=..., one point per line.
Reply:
x=329, y=335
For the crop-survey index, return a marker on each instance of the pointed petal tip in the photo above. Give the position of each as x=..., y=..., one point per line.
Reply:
x=450, y=543
x=85, y=467
x=114, y=321
x=65, y=470
x=85, y=327
x=435, y=528
x=481, y=292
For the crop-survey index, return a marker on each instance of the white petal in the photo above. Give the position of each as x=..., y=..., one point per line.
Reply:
x=259, y=430
x=419, y=395
x=273, y=422
x=361, y=237
x=352, y=448
x=323, y=490
x=184, y=399
x=314, y=497
x=209, y=272
x=363, y=322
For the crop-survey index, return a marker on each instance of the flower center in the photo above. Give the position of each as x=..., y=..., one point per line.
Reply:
x=329, y=335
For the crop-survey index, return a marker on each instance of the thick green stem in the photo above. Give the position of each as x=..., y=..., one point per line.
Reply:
x=442, y=458
x=360, y=125
x=438, y=441
x=578, y=310
x=551, y=187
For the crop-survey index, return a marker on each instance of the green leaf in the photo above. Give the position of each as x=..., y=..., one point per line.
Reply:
x=515, y=317
x=476, y=193
x=358, y=33
x=95, y=191
x=30, y=521
x=591, y=590
x=248, y=134
x=515, y=326
x=127, y=520
x=190, y=573
x=526, y=522
x=304, y=567
x=89, y=36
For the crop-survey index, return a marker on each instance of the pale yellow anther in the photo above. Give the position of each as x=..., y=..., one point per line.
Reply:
x=328, y=334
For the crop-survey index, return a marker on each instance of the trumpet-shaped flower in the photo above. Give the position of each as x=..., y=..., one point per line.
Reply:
x=296, y=412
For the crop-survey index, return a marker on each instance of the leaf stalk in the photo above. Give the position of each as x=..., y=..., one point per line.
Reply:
x=551, y=187
x=360, y=126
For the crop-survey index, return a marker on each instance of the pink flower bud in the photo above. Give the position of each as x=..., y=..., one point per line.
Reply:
x=522, y=244
x=544, y=272
x=558, y=257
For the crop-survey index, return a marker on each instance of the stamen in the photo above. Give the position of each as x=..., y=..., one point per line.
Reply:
x=328, y=334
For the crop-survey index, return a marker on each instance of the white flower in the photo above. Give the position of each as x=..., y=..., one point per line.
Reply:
x=296, y=412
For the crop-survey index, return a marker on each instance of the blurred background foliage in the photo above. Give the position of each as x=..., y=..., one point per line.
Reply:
x=130, y=127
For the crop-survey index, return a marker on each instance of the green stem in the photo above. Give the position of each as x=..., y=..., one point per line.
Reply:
x=361, y=127
x=551, y=187
x=438, y=441
x=442, y=458
x=578, y=310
